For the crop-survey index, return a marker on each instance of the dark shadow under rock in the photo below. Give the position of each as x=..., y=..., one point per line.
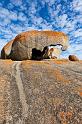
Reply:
x=36, y=54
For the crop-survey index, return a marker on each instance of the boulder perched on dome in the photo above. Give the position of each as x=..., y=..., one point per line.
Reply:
x=21, y=47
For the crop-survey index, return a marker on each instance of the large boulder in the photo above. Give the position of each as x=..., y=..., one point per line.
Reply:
x=6, y=50
x=21, y=47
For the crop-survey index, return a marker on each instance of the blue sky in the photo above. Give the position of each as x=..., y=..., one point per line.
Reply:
x=60, y=15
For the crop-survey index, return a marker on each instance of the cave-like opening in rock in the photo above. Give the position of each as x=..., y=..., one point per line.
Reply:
x=36, y=54
x=51, y=51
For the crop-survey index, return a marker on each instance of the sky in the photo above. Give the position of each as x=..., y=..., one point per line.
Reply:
x=17, y=16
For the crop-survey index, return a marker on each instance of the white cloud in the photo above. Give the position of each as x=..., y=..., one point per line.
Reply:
x=74, y=48
x=50, y=2
x=62, y=20
x=77, y=5
x=78, y=33
x=32, y=8
x=10, y=6
x=2, y=43
x=16, y=2
x=28, y=18
x=7, y=15
x=12, y=16
x=22, y=17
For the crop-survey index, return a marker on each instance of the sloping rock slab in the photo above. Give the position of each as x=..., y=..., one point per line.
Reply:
x=41, y=92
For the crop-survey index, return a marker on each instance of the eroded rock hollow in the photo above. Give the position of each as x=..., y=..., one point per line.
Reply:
x=22, y=46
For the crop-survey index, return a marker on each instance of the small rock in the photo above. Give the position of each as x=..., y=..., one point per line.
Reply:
x=73, y=58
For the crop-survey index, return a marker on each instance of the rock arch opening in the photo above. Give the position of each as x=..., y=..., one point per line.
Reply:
x=51, y=51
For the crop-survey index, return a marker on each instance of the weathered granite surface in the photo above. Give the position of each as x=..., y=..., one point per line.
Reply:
x=40, y=92
x=20, y=48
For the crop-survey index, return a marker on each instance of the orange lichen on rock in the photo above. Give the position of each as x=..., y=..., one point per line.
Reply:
x=80, y=93
x=7, y=62
x=21, y=47
x=47, y=32
x=56, y=72
x=26, y=64
x=30, y=63
x=80, y=61
x=60, y=77
x=33, y=62
x=6, y=49
x=54, y=33
x=65, y=116
x=52, y=36
x=61, y=61
x=8, y=44
x=78, y=90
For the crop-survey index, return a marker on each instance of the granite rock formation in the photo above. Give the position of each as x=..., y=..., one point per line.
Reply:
x=73, y=58
x=40, y=92
x=53, y=52
x=6, y=50
x=21, y=47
